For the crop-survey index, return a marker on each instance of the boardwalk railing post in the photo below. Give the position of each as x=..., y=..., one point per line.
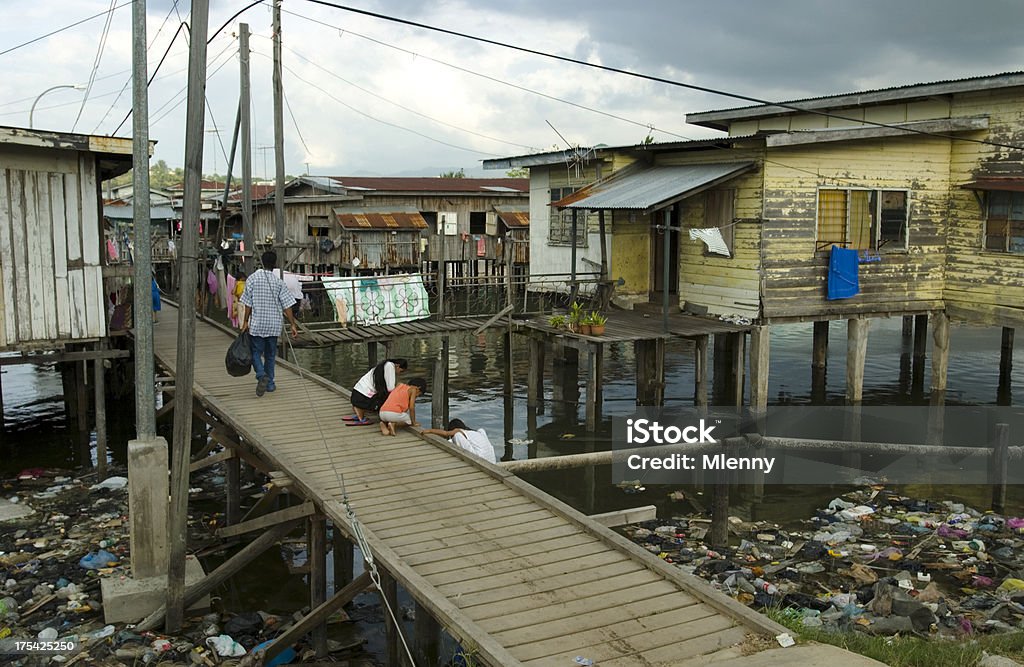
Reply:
x=392, y=644
x=1000, y=466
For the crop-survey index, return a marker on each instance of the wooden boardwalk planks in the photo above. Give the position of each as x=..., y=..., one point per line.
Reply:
x=500, y=566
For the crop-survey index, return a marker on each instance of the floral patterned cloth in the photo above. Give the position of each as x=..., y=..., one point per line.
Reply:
x=378, y=299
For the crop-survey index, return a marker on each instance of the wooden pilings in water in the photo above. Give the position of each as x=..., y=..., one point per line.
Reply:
x=439, y=389
x=856, y=354
x=650, y=371
x=1005, y=366
x=316, y=535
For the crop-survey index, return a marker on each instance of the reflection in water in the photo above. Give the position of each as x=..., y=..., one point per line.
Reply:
x=38, y=434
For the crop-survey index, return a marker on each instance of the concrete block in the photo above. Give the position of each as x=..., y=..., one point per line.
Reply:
x=128, y=600
x=13, y=511
x=148, y=490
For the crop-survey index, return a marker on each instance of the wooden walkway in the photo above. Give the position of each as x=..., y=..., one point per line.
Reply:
x=512, y=573
x=630, y=325
x=382, y=332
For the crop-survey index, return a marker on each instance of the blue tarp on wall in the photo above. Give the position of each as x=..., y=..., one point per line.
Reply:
x=843, y=265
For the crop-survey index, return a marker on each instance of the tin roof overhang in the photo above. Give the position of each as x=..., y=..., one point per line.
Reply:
x=390, y=218
x=1004, y=183
x=514, y=217
x=652, y=188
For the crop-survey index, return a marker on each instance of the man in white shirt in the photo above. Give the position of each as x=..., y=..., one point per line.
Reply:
x=473, y=441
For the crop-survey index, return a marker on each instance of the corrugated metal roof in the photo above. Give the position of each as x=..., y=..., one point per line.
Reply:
x=376, y=218
x=432, y=184
x=718, y=118
x=650, y=188
x=514, y=217
x=1005, y=183
x=115, y=212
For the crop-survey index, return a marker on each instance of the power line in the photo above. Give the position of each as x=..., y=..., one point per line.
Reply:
x=656, y=79
x=405, y=108
x=96, y=63
x=129, y=79
x=59, y=30
x=295, y=122
x=493, y=79
x=177, y=32
x=380, y=120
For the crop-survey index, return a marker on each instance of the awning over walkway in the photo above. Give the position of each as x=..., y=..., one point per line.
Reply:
x=652, y=188
x=393, y=217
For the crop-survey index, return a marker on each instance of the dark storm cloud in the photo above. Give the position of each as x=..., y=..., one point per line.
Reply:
x=783, y=48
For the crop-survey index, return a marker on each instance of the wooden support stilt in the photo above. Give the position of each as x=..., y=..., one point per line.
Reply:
x=315, y=617
x=641, y=353
x=82, y=408
x=392, y=643
x=738, y=362
x=426, y=637
x=233, y=491
x=700, y=371
x=720, y=366
x=344, y=559
x=819, y=350
x=229, y=567
x=371, y=353
x=316, y=533
x=856, y=353
x=3, y=426
x=908, y=327
x=920, y=335
x=535, y=377
x=1000, y=467
x=719, y=535
x=1005, y=367
x=101, y=417
x=659, y=372
x=439, y=392
x=595, y=390
x=940, y=350
x=759, y=346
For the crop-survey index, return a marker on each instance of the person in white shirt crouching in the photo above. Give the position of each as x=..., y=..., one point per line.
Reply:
x=473, y=441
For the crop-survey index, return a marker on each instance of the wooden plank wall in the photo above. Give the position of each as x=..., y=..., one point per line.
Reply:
x=795, y=275
x=988, y=286
x=50, y=255
x=723, y=285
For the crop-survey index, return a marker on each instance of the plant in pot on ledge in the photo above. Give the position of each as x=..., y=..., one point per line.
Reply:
x=558, y=322
x=576, y=316
x=597, y=323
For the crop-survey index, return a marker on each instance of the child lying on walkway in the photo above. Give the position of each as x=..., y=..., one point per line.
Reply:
x=400, y=408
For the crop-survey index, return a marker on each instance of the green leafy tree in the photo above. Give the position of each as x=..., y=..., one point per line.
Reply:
x=461, y=173
x=518, y=172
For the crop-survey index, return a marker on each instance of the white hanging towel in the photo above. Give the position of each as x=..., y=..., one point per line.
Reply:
x=712, y=237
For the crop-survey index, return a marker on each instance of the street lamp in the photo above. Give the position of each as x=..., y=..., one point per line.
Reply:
x=32, y=111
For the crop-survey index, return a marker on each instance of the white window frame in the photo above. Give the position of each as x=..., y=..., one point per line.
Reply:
x=878, y=218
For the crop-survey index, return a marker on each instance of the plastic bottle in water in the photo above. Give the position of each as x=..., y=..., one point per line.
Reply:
x=762, y=585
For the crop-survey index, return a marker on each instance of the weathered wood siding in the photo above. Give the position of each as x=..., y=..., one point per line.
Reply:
x=50, y=248
x=630, y=244
x=795, y=276
x=723, y=285
x=296, y=215
x=986, y=286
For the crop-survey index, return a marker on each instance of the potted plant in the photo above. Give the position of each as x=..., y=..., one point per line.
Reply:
x=557, y=322
x=597, y=322
x=575, y=317
x=584, y=327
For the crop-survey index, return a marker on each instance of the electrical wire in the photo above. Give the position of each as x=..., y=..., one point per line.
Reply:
x=180, y=96
x=375, y=118
x=96, y=62
x=60, y=30
x=487, y=77
x=294, y=122
x=405, y=108
x=655, y=79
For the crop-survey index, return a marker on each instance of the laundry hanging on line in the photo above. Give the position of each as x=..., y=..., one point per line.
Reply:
x=712, y=238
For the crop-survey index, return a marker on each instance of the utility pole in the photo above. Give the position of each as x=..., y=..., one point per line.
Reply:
x=282, y=260
x=185, y=371
x=142, y=304
x=244, y=106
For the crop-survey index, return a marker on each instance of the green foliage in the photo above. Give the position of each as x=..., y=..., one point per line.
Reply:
x=557, y=321
x=518, y=172
x=461, y=173
x=596, y=318
x=575, y=313
x=906, y=651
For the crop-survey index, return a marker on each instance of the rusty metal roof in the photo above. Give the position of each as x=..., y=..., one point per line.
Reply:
x=515, y=217
x=1005, y=183
x=651, y=188
x=380, y=218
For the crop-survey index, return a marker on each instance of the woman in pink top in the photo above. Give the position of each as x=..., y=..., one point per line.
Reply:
x=400, y=408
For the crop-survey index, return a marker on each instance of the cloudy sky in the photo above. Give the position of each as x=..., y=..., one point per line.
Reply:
x=368, y=97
